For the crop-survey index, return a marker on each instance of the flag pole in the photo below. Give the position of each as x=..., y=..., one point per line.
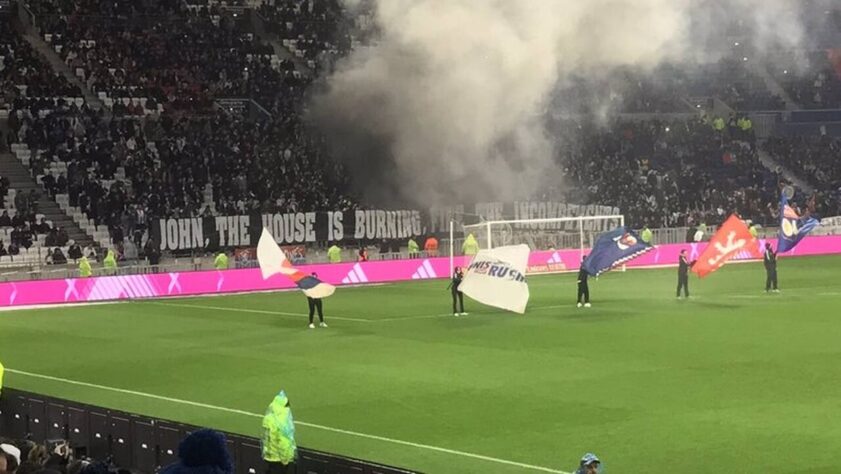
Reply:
x=452, y=247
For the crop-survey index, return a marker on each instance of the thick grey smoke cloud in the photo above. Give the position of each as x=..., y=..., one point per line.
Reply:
x=447, y=104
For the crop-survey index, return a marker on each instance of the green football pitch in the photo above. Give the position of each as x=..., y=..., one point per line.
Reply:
x=731, y=380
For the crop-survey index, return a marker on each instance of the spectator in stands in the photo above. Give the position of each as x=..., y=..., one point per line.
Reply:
x=21, y=202
x=62, y=238
x=52, y=238
x=590, y=464
x=58, y=257
x=152, y=252
x=75, y=251
x=202, y=452
x=18, y=220
x=14, y=249
x=42, y=227
x=3, y=251
x=90, y=252
x=5, y=220
x=10, y=455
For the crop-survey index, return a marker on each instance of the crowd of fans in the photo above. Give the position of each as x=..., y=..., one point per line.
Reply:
x=671, y=173
x=816, y=158
x=813, y=80
x=163, y=51
x=23, y=71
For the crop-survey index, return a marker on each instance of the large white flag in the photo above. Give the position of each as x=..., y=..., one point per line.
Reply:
x=272, y=261
x=497, y=277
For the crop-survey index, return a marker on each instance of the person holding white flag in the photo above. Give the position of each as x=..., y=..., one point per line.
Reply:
x=496, y=277
x=458, y=295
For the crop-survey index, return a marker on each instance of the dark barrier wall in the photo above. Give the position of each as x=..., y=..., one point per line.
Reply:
x=142, y=443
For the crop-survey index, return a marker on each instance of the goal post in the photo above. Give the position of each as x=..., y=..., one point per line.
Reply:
x=556, y=233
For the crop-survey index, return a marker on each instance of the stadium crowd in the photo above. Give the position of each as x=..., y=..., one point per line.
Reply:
x=24, y=72
x=672, y=173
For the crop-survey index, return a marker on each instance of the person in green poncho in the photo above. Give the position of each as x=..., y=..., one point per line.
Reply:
x=414, y=248
x=334, y=254
x=1, y=378
x=646, y=234
x=85, y=267
x=221, y=261
x=278, y=440
x=470, y=246
x=110, y=262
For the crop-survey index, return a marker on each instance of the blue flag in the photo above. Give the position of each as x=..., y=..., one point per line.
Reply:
x=614, y=248
x=792, y=227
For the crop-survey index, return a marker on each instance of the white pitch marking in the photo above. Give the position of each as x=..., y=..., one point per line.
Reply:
x=258, y=311
x=297, y=422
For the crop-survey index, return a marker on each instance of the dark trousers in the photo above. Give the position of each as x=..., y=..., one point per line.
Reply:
x=683, y=282
x=583, y=293
x=458, y=297
x=315, y=303
x=770, y=278
x=278, y=468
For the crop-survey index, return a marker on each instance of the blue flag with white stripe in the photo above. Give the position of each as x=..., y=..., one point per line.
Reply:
x=792, y=227
x=614, y=248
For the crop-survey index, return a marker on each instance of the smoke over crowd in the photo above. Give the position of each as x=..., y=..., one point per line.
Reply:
x=447, y=104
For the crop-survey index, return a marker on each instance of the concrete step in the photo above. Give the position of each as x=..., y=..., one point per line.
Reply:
x=21, y=181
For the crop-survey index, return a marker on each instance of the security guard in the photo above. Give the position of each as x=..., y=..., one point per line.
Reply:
x=334, y=254
x=770, y=260
x=221, y=261
x=85, y=269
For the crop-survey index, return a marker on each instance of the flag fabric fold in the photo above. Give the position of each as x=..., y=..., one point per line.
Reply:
x=496, y=277
x=272, y=261
x=614, y=248
x=792, y=226
x=732, y=238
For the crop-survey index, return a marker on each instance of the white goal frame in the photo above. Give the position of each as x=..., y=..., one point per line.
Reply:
x=488, y=244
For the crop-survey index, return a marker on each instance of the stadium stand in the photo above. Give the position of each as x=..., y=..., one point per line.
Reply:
x=24, y=73
x=813, y=79
x=671, y=173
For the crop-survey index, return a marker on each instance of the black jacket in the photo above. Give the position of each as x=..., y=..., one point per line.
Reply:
x=582, y=276
x=770, y=260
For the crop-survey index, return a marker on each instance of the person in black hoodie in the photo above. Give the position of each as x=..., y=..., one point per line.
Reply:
x=5, y=220
x=458, y=296
x=683, y=267
x=583, y=287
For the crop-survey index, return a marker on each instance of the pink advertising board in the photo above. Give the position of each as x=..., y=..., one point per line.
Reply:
x=77, y=290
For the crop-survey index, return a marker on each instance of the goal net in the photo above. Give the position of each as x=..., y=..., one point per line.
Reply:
x=561, y=233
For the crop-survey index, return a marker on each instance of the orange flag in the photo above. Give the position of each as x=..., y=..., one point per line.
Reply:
x=732, y=238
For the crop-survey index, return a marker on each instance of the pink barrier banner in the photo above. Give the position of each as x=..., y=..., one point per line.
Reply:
x=77, y=290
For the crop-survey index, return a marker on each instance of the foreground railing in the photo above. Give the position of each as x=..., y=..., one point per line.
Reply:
x=142, y=443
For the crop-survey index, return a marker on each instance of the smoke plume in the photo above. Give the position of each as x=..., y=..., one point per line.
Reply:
x=447, y=105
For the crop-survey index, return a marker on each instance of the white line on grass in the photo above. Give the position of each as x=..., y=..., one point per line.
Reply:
x=258, y=311
x=297, y=422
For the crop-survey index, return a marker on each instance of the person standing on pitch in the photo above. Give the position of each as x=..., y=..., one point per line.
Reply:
x=458, y=296
x=315, y=303
x=770, y=268
x=683, y=266
x=583, y=287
